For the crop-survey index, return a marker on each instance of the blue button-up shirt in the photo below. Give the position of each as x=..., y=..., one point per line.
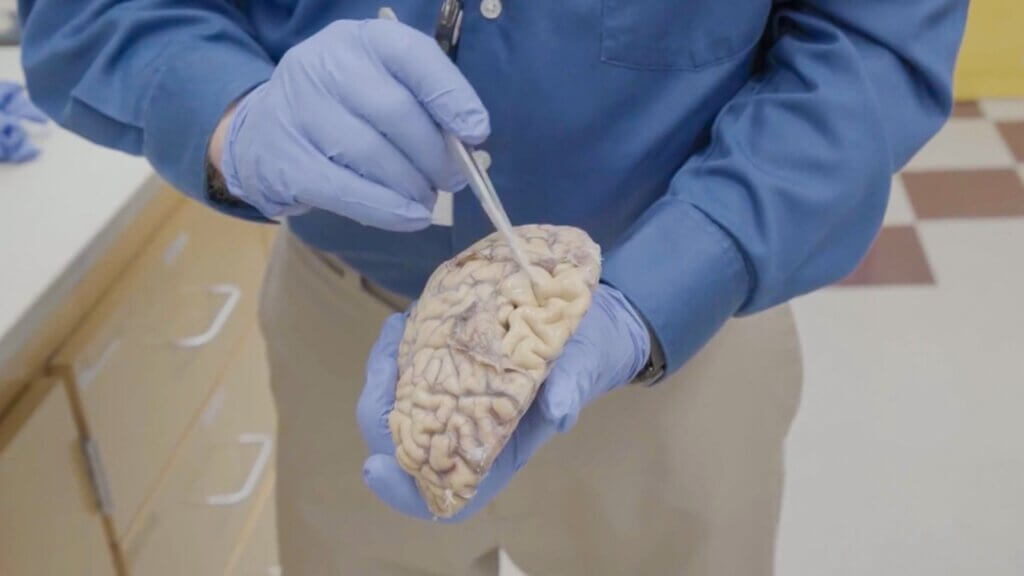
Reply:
x=727, y=155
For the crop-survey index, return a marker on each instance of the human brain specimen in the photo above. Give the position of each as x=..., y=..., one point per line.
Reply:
x=477, y=346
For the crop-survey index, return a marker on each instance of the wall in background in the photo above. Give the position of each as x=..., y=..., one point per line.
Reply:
x=991, y=61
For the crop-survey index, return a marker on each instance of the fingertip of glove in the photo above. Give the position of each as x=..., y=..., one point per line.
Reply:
x=559, y=405
x=35, y=115
x=386, y=479
x=375, y=468
x=369, y=471
x=410, y=209
x=473, y=126
x=409, y=217
x=456, y=180
x=395, y=324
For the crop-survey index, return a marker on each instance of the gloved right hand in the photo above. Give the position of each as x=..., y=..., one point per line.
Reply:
x=350, y=122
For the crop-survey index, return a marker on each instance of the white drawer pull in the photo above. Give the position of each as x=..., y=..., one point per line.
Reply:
x=234, y=294
x=89, y=373
x=253, y=479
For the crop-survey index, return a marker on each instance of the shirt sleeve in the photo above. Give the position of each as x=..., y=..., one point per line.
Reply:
x=791, y=189
x=147, y=77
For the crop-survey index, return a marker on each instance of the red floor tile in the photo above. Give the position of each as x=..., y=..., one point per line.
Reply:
x=966, y=110
x=965, y=193
x=896, y=258
x=1013, y=134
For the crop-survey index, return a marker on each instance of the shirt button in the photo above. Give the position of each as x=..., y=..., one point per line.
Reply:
x=483, y=159
x=491, y=9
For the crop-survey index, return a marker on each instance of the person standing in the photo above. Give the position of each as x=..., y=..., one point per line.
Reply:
x=727, y=155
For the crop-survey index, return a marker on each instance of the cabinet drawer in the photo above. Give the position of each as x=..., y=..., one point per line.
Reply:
x=257, y=554
x=145, y=359
x=49, y=523
x=192, y=523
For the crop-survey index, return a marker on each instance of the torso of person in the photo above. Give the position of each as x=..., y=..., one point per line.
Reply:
x=594, y=105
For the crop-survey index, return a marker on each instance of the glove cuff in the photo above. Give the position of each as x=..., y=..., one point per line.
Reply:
x=269, y=207
x=635, y=327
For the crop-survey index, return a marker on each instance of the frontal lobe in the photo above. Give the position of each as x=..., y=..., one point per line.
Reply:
x=477, y=346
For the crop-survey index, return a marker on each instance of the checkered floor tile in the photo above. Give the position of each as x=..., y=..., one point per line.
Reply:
x=909, y=432
x=973, y=169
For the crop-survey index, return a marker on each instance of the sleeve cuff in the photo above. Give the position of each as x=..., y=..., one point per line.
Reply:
x=186, y=103
x=683, y=273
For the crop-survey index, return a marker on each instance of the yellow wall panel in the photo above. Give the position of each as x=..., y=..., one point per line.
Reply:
x=991, y=63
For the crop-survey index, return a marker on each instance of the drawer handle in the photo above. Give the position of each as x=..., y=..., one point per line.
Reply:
x=253, y=479
x=89, y=373
x=234, y=294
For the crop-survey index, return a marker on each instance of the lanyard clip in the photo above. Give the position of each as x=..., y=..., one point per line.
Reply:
x=448, y=25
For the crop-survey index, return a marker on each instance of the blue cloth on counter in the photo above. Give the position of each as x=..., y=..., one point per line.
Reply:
x=728, y=155
x=15, y=145
x=15, y=107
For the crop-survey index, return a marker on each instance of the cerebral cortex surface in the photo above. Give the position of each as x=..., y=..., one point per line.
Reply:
x=477, y=346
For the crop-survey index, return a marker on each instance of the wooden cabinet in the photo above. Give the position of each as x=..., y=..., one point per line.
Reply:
x=257, y=552
x=49, y=523
x=146, y=358
x=217, y=480
x=149, y=448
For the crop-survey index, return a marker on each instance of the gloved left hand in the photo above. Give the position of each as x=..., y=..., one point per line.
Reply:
x=608, y=348
x=15, y=106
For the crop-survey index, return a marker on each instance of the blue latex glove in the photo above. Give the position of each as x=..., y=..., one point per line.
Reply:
x=14, y=102
x=608, y=348
x=349, y=123
x=15, y=106
x=15, y=146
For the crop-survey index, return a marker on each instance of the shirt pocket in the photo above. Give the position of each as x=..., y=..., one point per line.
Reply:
x=679, y=34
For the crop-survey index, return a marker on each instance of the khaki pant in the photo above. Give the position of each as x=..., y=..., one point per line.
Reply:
x=681, y=479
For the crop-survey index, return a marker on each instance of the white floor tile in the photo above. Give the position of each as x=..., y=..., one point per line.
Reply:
x=899, y=212
x=964, y=143
x=971, y=255
x=506, y=567
x=1003, y=109
x=906, y=457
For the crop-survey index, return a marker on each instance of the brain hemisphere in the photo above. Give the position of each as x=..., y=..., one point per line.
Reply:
x=477, y=345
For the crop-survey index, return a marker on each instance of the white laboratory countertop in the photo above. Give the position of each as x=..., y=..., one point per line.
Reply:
x=59, y=212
